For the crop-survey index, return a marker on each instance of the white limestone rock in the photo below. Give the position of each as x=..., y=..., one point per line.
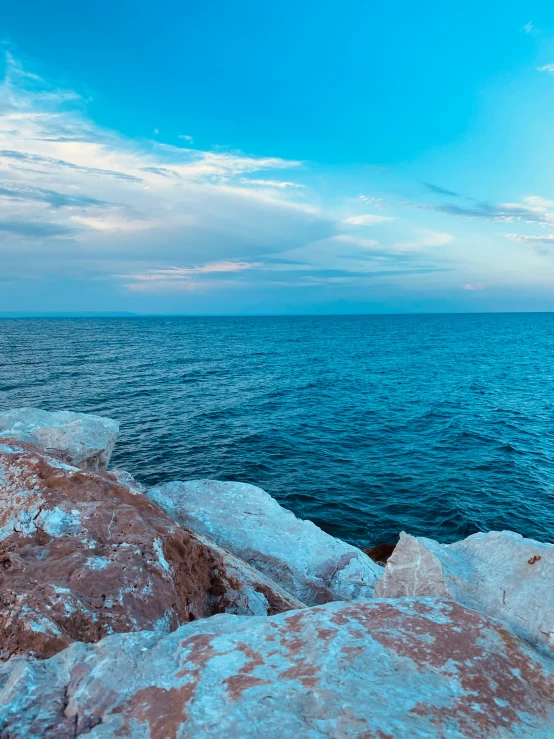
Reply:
x=499, y=573
x=308, y=563
x=404, y=668
x=82, y=439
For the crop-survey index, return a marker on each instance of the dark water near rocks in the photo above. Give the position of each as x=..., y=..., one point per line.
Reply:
x=368, y=425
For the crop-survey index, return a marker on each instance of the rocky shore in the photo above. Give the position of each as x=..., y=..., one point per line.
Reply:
x=204, y=609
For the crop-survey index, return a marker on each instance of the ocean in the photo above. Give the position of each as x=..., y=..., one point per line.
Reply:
x=438, y=425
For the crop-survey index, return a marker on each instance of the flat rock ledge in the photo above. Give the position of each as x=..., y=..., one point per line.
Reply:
x=83, y=440
x=310, y=564
x=386, y=669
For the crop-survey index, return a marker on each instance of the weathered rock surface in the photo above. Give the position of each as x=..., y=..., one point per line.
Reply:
x=499, y=573
x=381, y=669
x=83, y=440
x=123, y=477
x=82, y=556
x=310, y=564
x=243, y=590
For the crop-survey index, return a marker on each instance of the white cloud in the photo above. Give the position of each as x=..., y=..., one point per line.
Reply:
x=270, y=183
x=367, y=220
x=156, y=132
x=179, y=279
x=185, y=138
x=532, y=209
x=545, y=239
x=539, y=204
x=181, y=286
x=541, y=244
x=178, y=273
x=530, y=28
x=474, y=286
x=114, y=222
x=376, y=202
x=548, y=68
x=426, y=240
x=355, y=241
x=80, y=197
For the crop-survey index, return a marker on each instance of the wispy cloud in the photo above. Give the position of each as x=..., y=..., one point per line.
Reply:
x=542, y=245
x=22, y=160
x=532, y=209
x=372, y=200
x=428, y=239
x=440, y=190
x=546, y=239
x=270, y=183
x=34, y=229
x=548, y=68
x=114, y=221
x=529, y=27
x=180, y=272
x=474, y=286
x=186, y=138
x=179, y=278
x=41, y=195
x=367, y=220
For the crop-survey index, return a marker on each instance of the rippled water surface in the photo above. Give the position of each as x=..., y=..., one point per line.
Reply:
x=368, y=425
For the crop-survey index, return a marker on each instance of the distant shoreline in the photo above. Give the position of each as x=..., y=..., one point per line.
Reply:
x=123, y=314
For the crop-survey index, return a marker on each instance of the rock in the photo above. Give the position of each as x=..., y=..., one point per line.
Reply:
x=81, y=439
x=499, y=573
x=381, y=669
x=380, y=552
x=82, y=556
x=126, y=478
x=310, y=564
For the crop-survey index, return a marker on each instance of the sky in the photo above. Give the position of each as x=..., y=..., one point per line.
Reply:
x=276, y=158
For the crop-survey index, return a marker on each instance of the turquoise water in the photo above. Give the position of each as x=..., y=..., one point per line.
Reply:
x=368, y=425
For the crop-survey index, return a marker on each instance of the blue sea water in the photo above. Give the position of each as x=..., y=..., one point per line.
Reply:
x=439, y=425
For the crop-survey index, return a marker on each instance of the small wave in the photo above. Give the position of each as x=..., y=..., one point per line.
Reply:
x=510, y=449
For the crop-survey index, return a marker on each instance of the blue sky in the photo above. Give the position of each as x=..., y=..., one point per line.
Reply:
x=306, y=157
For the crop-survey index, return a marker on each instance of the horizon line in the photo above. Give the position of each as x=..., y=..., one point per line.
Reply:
x=12, y=315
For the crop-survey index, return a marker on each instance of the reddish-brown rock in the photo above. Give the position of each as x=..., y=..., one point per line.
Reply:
x=83, y=556
x=500, y=573
x=375, y=669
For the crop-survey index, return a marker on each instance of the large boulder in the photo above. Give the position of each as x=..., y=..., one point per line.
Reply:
x=499, y=573
x=310, y=564
x=83, y=556
x=83, y=440
x=406, y=668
